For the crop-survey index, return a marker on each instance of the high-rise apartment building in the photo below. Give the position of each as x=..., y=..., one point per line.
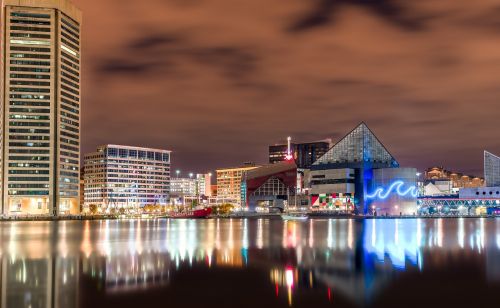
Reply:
x=124, y=176
x=40, y=67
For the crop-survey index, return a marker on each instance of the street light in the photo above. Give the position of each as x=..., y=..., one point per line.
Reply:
x=190, y=174
x=177, y=172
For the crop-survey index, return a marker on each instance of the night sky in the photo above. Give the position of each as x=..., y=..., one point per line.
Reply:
x=217, y=81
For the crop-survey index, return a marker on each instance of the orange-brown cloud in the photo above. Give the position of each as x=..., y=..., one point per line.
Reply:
x=217, y=81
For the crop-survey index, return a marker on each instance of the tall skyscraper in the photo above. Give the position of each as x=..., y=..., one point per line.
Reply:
x=40, y=68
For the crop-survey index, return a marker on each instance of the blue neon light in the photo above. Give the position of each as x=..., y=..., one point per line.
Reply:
x=398, y=187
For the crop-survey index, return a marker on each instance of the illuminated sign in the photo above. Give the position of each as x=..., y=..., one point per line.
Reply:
x=397, y=187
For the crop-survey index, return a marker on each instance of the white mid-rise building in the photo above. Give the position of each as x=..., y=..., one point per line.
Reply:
x=126, y=176
x=180, y=187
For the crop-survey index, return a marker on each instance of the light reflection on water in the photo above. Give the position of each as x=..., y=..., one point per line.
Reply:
x=43, y=264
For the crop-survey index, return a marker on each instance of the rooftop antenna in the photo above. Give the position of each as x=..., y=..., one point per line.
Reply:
x=288, y=150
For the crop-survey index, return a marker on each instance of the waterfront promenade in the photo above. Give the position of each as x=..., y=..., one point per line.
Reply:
x=233, y=216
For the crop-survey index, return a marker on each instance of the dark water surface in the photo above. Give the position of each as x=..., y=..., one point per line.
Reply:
x=251, y=263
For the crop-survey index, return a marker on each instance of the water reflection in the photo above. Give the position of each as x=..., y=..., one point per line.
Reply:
x=46, y=264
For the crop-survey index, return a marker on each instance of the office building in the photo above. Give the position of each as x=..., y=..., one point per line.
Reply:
x=40, y=95
x=304, y=154
x=125, y=176
x=198, y=185
x=359, y=174
x=491, y=169
x=180, y=187
x=229, y=183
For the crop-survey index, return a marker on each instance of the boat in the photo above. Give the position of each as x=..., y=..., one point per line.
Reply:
x=195, y=213
x=298, y=216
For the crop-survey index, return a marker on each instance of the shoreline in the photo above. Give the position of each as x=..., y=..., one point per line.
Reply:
x=259, y=216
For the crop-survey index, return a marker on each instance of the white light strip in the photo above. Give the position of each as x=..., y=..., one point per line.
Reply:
x=69, y=50
x=29, y=42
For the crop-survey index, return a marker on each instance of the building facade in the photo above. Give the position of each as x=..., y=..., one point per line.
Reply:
x=180, y=187
x=392, y=191
x=229, y=183
x=436, y=188
x=203, y=182
x=124, y=176
x=332, y=188
x=40, y=66
x=269, y=186
x=480, y=193
x=304, y=154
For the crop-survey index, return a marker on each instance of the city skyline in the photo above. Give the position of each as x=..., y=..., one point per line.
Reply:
x=219, y=83
x=222, y=153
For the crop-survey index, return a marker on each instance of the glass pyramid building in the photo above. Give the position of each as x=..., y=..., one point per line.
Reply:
x=360, y=146
x=491, y=169
x=362, y=152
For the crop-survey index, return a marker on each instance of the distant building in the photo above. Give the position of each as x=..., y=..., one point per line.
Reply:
x=304, y=154
x=358, y=171
x=458, y=180
x=40, y=84
x=126, y=176
x=229, y=183
x=198, y=185
x=203, y=182
x=269, y=186
x=491, y=189
x=491, y=169
x=180, y=187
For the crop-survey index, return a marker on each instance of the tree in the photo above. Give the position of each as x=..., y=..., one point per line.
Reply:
x=93, y=209
x=223, y=209
x=121, y=211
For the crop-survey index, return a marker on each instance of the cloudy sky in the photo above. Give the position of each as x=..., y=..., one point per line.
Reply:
x=217, y=81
